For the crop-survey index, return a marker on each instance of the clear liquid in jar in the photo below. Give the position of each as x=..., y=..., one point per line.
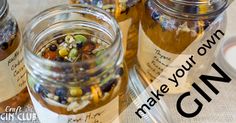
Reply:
x=123, y=11
x=96, y=91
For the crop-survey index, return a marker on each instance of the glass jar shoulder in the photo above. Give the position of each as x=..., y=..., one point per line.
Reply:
x=10, y=36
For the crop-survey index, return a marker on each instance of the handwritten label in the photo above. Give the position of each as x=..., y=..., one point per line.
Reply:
x=105, y=114
x=152, y=59
x=12, y=75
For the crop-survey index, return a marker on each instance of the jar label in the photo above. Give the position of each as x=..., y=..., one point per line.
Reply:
x=151, y=58
x=155, y=61
x=124, y=27
x=12, y=75
x=105, y=114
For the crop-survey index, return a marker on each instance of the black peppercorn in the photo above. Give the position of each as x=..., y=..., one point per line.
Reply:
x=79, y=45
x=53, y=47
x=4, y=46
x=108, y=86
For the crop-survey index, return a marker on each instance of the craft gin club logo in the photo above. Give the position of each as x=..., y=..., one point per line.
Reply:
x=12, y=114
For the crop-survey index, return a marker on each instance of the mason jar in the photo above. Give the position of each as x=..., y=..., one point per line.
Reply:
x=168, y=27
x=13, y=92
x=127, y=13
x=74, y=57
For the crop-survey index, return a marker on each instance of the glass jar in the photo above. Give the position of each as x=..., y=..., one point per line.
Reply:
x=127, y=14
x=12, y=72
x=74, y=56
x=168, y=27
x=138, y=92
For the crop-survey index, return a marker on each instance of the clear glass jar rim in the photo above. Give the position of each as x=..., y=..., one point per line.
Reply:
x=178, y=8
x=116, y=44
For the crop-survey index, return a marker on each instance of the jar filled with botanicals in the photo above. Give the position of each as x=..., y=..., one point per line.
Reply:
x=13, y=90
x=127, y=13
x=168, y=27
x=74, y=56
